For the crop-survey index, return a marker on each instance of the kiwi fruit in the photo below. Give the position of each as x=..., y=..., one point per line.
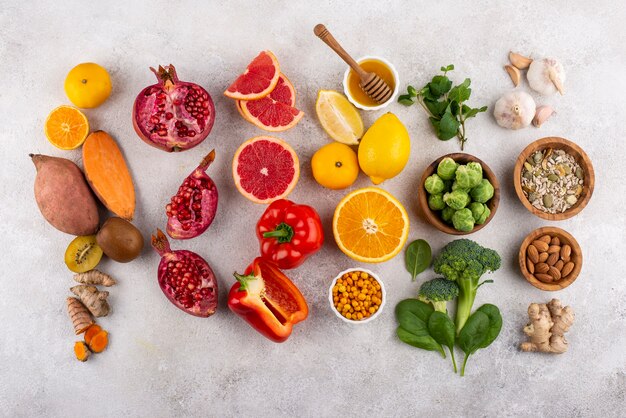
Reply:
x=120, y=240
x=83, y=254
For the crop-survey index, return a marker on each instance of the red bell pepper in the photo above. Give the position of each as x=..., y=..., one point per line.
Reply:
x=265, y=298
x=289, y=233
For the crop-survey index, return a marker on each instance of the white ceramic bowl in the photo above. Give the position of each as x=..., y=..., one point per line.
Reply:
x=382, y=291
x=380, y=106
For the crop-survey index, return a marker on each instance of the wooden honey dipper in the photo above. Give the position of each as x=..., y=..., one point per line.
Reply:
x=374, y=86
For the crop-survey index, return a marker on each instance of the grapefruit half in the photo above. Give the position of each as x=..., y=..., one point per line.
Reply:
x=265, y=169
x=259, y=79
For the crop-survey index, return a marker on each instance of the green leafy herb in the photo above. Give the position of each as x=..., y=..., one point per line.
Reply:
x=445, y=105
x=417, y=257
x=480, y=330
x=413, y=318
x=442, y=329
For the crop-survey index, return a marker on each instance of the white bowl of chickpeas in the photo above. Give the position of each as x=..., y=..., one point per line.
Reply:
x=357, y=295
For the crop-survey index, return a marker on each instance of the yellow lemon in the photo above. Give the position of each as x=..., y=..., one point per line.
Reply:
x=335, y=166
x=87, y=85
x=384, y=149
x=339, y=118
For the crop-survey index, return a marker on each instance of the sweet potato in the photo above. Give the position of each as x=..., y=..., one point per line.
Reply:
x=108, y=175
x=63, y=196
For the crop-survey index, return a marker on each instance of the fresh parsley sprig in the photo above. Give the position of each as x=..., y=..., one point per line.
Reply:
x=445, y=105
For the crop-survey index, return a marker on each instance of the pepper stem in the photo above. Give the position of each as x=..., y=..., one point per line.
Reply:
x=283, y=232
x=244, y=280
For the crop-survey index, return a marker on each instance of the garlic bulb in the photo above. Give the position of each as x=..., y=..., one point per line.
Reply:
x=515, y=110
x=546, y=76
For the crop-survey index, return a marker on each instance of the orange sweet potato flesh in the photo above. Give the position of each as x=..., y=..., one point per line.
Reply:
x=108, y=175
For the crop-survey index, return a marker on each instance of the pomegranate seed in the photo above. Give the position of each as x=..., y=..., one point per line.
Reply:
x=169, y=115
x=154, y=119
x=162, y=132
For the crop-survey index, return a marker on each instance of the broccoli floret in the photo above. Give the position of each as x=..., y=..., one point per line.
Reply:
x=438, y=292
x=464, y=262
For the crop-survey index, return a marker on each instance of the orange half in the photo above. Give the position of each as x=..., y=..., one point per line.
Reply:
x=66, y=127
x=370, y=225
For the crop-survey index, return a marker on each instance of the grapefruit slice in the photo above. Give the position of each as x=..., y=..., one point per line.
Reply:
x=271, y=114
x=265, y=169
x=259, y=79
x=284, y=92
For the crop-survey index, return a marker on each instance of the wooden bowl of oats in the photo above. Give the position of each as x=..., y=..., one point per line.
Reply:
x=553, y=178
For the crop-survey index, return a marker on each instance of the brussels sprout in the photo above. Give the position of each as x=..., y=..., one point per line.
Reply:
x=434, y=184
x=475, y=167
x=463, y=220
x=480, y=212
x=457, y=199
x=447, y=168
x=447, y=213
x=468, y=178
x=484, y=216
x=435, y=202
x=455, y=186
x=447, y=184
x=483, y=192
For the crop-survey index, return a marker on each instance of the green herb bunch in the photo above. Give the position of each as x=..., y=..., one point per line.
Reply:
x=445, y=105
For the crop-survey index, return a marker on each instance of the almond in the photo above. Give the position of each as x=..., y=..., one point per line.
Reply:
x=566, y=251
x=543, y=257
x=567, y=269
x=530, y=266
x=546, y=278
x=532, y=253
x=541, y=268
x=540, y=245
x=552, y=259
x=546, y=239
x=555, y=241
x=554, y=272
x=559, y=265
x=554, y=249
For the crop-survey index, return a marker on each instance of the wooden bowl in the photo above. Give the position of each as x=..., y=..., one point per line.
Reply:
x=581, y=158
x=434, y=217
x=566, y=238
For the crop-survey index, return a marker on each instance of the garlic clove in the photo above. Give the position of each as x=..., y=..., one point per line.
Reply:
x=542, y=114
x=546, y=76
x=519, y=61
x=514, y=110
x=514, y=74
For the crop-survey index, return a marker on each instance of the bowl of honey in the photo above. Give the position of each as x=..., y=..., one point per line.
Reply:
x=351, y=82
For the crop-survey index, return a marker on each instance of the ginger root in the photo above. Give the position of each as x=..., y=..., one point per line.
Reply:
x=95, y=277
x=82, y=351
x=99, y=342
x=79, y=314
x=94, y=299
x=547, y=327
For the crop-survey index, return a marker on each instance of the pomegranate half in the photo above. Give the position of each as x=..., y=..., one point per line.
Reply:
x=186, y=278
x=192, y=209
x=173, y=115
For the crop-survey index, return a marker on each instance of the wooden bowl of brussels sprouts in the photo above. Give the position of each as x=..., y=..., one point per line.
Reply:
x=458, y=194
x=553, y=178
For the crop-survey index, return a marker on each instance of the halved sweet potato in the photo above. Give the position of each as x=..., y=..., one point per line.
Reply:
x=108, y=175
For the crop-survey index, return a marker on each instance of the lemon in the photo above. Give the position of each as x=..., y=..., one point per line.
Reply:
x=335, y=166
x=87, y=85
x=384, y=149
x=339, y=118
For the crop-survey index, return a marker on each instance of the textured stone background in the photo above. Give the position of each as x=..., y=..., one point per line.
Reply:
x=162, y=362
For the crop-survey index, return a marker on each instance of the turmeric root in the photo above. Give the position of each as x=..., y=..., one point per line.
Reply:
x=95, y=277
x=79, y=314
x=547, y=327
x=94, y=299
x=82, y=351
x=99, y=342
x=91, y=332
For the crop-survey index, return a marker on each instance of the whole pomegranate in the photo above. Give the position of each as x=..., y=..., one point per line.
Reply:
x=192, y=209
x=173, y=115
x=185, y=278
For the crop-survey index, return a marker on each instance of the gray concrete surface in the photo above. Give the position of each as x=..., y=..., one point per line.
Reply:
x=162, y=362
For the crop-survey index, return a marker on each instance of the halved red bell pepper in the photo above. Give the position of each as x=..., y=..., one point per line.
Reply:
x=267, y=300
x=289, y=233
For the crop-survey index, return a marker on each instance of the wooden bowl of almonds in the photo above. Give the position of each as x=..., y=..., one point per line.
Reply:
x=553, y=178
x=550, y=258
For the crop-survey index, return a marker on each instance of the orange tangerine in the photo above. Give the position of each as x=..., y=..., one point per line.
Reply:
x=66, y=127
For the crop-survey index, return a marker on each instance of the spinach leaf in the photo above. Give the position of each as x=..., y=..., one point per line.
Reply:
x=442, y=329
x=495, y=323
x=417, y=257
x=413, y=316
x=480, y=330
